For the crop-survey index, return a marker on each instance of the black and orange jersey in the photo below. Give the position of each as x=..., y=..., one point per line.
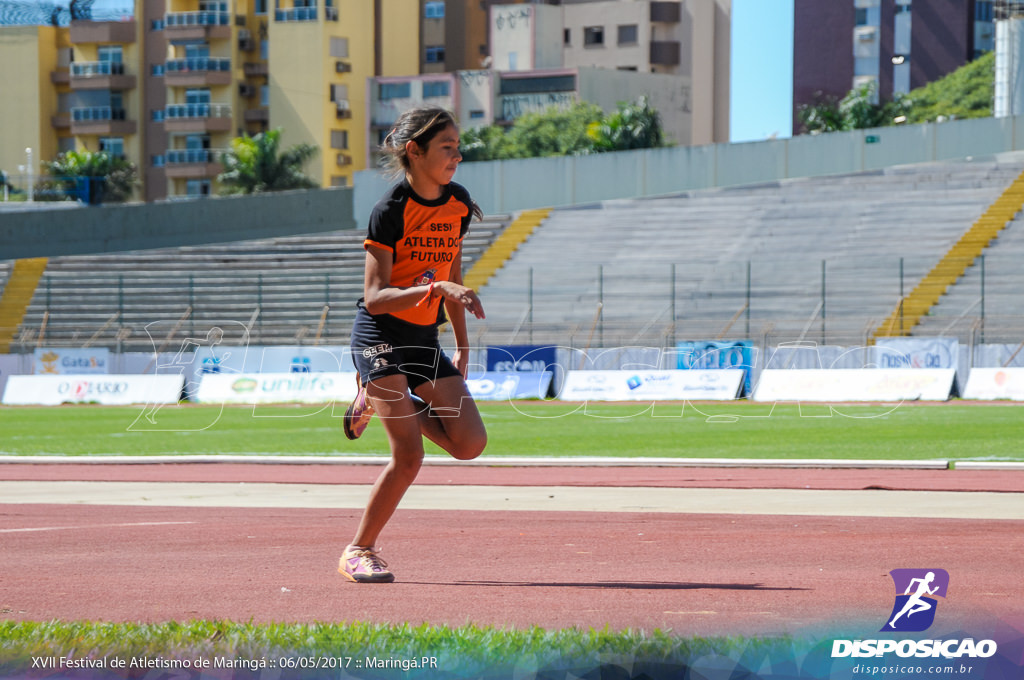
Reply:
x=424, y=238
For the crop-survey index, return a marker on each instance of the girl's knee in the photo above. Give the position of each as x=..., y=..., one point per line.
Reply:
x=406, y=468
x=469, y=447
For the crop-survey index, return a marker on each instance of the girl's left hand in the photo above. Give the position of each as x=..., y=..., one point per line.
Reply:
x=461, y=360
x=455, y=292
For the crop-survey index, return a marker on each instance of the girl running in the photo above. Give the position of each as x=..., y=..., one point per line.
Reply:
x=413, y=281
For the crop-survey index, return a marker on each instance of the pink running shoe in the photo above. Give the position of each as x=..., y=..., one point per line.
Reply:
x=357, y=415
x=364, y=565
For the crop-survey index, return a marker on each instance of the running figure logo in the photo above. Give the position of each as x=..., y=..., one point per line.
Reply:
x=914, y=610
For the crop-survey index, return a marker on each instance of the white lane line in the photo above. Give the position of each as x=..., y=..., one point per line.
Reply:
x=90, y=526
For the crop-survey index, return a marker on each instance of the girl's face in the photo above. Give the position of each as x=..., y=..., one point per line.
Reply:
x=436, y=165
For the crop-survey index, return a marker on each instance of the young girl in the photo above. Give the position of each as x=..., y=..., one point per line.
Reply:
x=413, y=279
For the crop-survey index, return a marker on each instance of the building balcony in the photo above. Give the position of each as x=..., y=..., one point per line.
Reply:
x=102, y=32
x=197, y=118
x=253, y=69
x=60, y=77
x=666, y=12
x=193, y=163
x=296, y=14
x=100, y=75
x=197, y=72
x=61, y=120
x=101, y=120
x=260, y=115
x=665, y=52
x=197, y=25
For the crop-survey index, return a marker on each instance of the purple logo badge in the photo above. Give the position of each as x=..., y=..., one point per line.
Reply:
x=916, y=590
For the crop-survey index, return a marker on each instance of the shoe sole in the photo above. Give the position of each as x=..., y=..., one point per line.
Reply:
x=371, y=579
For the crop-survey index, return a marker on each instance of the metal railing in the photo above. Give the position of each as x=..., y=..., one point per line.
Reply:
x=177, y=111
x=296, y=14
x=176, y=156
x=97, y=113
x=184, y=19
x=190, y=64
x=96, y=69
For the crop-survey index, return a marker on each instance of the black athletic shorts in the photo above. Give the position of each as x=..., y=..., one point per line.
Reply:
x=383, y=345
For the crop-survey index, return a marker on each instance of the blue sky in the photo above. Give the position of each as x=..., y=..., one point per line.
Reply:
x=762, y=70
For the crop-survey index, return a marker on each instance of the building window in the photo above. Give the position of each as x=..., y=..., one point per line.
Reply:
x=339, y=48
x=395, y=91
x=339, y=139
x=983, y=10
x=264, y=95
x=111, y=54
x=197, y=187
x=112, y=146
x=158, y=70
x=261, y=7
x=867, y=16
x=157, y=115
x=197, y=96
x=628, y=34
x=436, y=88
x=264, y=50
x=157, y=25
x=158, y=161
x=593, y=35
x=433, y=10
x=566, y=36
x=476, y=114
x=339, y=93
x=435, y=54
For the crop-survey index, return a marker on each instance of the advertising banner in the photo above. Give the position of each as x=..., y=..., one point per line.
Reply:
x=917, y=352
x=717, y=384
x=854, y=384
x=276, y=388
x=995, y=383
x=499, y=386
x=712, y=354
x=109, y=390
x=71, y=361
x=521, y=358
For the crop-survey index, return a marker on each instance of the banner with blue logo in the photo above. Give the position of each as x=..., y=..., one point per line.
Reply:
x=521, y=358
x=499, y=386
x=713, y=354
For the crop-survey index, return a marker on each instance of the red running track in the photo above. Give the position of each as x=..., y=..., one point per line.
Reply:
x=691, y=574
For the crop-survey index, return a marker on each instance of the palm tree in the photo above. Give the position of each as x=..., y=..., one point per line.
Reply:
x=97, y=176
x=256, y=164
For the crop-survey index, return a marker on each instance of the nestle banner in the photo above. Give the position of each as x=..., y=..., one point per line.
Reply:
x=71, y=361
x=110, y=390
x=917, y=352
x=499, y=386
x=855, y=384
x=671, y=385
x=276, y=388
x=995, y=383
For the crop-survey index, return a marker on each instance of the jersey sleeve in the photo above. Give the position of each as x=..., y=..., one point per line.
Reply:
x=385, y=228
x=462, y=194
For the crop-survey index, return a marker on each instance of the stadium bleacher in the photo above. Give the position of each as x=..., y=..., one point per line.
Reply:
x=294, y=290
x=851, y=236
x=820, y=259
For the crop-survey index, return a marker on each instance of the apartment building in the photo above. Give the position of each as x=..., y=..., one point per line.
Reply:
x=170, y=83
x=899, y=45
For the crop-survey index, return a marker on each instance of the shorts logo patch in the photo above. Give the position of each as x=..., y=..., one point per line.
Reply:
x=371, y=352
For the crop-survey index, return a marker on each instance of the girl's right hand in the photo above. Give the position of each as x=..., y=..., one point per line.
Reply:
x=467, y=297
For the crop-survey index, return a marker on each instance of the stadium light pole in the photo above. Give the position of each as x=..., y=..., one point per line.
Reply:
x=28, y=169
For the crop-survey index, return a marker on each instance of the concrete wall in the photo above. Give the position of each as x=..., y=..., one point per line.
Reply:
x=49, y=233
x=511, y=186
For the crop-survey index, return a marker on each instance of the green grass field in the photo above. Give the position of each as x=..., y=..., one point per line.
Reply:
x=950, y=431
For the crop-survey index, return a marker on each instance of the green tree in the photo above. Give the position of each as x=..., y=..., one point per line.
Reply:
x=855, y=111
x=100, y=176
x=257, y=164
x=967, y=92
x=632, y=126
x=580, y=129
